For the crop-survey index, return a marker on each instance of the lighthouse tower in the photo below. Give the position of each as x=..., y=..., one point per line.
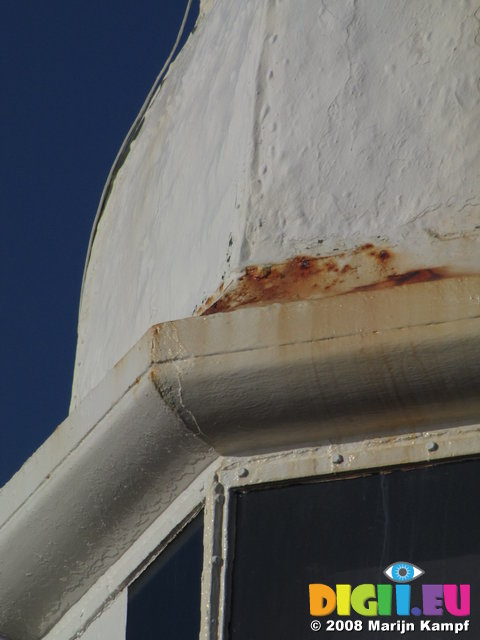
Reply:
x=277, y=379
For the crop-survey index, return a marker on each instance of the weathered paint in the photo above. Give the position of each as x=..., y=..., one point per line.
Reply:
x=388, y=351
x=112, y=584
x=305, y=277
x=290, y=129
x=370, y=363
x=111, y=623
x=105, y=488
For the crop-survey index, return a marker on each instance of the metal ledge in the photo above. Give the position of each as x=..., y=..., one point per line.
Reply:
x=260, y=379
x=333, y=370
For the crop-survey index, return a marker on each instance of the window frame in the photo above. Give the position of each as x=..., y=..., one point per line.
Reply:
x=287, y=467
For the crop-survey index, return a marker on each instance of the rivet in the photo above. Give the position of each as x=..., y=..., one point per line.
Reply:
x=337, y=458
x=243, y=473
x=432, y=446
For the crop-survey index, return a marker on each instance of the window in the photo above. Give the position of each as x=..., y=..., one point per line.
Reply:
x=348, y=530
x=164, y=602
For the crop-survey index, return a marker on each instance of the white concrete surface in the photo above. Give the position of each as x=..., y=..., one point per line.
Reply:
x=286, y=128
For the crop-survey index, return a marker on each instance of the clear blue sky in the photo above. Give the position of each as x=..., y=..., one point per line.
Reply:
x=74, y=76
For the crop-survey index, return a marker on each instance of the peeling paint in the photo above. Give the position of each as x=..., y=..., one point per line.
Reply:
x=304, y=277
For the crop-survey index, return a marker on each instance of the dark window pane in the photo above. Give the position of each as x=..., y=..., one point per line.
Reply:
x=164, y=602
x=348, y=531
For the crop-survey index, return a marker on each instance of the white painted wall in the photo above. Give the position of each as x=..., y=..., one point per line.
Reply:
x=286, y=128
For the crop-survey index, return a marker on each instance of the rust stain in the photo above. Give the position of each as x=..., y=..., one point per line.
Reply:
x=383, y=255
x=302, y=277
x=410, y=277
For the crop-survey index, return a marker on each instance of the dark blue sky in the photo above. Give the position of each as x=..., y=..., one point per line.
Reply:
x=74, y=76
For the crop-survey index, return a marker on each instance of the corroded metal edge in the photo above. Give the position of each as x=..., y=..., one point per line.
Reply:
x=291, y=375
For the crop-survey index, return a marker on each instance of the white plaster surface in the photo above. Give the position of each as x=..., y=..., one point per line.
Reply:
x=111, y=623
x=286, y=128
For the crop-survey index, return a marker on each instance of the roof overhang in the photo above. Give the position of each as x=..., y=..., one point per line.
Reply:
x=282, y=376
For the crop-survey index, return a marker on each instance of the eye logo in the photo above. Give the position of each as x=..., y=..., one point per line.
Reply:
x=381, y=599
x=403, y=572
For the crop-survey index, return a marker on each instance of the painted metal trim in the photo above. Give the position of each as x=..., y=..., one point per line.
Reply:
x=278, y=377
x=292, y=375
x=93, y=505
x=135, y=560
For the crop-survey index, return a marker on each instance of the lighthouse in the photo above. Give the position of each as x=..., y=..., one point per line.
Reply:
x=277, y=378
